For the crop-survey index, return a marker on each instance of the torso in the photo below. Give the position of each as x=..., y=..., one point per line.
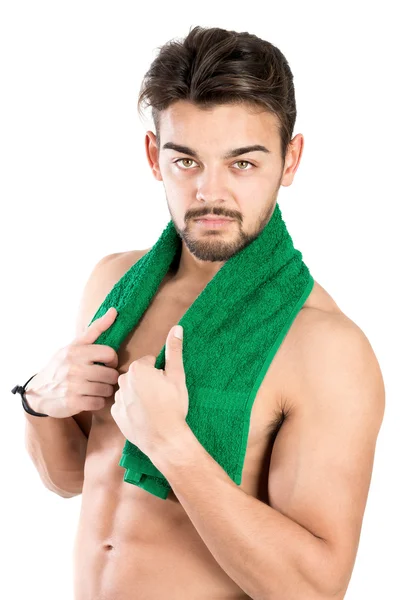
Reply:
x=133, y=545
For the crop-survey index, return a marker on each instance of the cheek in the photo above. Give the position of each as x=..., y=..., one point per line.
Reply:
x=171, y=172
x=261, y=189
x=179, y=179
x=178, y=185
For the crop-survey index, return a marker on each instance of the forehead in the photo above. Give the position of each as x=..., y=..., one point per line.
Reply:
x=186, y=122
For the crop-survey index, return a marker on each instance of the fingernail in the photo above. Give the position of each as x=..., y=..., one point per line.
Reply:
x=178, y=332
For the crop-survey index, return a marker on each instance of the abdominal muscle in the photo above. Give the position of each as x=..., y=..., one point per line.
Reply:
x=131, y=544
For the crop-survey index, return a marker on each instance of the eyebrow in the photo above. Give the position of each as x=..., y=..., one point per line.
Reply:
x=231, y=154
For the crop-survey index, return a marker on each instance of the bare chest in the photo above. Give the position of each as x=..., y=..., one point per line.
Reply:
x=122, y=525
x=150, y=335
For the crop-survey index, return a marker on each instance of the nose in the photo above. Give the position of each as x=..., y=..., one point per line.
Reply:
x=211, y=187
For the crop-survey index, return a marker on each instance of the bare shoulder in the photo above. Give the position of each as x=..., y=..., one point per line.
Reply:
x=328, y=334
x=123, y=261
x=328, y=345
x=320, y=337
x=104, y=275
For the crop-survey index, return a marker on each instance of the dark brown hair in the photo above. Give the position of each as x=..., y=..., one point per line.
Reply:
x=214, y=66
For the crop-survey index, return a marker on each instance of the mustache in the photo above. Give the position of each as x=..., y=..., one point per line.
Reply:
x=214, y=213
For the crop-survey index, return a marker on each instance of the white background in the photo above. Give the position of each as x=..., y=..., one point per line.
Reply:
x=75, y=185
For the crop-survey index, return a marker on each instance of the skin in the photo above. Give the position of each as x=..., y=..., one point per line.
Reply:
x=130, y=544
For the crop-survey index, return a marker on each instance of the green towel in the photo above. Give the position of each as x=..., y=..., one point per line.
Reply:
x=232, y=332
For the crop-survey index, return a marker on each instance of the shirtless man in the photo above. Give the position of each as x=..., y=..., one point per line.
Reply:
x=290, y=530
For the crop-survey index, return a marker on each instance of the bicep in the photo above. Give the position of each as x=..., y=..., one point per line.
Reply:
x=322, y=458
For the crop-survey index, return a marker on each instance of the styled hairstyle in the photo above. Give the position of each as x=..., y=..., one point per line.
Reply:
x=214, y=66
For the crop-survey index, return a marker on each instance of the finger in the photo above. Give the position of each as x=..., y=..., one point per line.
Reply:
x=93, y=331
x=173, y=356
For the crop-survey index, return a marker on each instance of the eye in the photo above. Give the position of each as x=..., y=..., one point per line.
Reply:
x=245, y=161
x=187, y=159
x=238, y=161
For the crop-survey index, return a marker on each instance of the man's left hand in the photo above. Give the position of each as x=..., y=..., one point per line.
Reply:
x=151, y=404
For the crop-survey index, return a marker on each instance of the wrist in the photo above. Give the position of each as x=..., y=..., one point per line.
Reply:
x=32, y=399
x=176, y=450
x=21, y=389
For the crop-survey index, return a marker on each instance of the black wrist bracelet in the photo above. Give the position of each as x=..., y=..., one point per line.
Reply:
x=21, y=390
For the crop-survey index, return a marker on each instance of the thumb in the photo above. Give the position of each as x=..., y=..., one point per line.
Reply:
x=173, y=353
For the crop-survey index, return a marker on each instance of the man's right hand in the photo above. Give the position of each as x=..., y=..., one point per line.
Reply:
x=71, y=382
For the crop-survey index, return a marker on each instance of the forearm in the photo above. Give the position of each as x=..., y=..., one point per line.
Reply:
x=57, y=448
x=267, y=554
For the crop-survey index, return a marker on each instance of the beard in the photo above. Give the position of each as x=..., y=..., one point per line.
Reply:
x=219, y=245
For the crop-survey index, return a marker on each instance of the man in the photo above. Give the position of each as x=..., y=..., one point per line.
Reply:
x=291, y=529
